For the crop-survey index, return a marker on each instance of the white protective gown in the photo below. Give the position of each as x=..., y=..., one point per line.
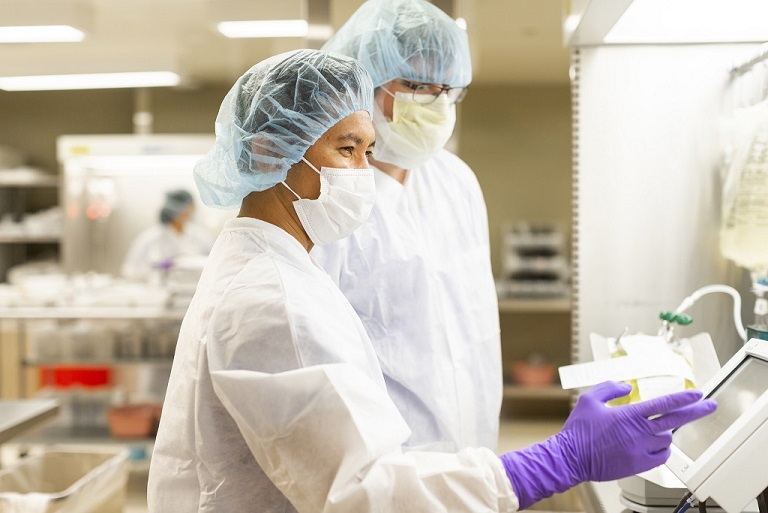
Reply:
x=418, y=273
x=161, y=242
x=276, y=401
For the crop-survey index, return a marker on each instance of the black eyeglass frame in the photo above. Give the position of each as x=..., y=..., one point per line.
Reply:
x=430, y=91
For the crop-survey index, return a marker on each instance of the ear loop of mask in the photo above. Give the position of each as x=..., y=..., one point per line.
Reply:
x=388, y=91
x=311, y=167
x=294, y=192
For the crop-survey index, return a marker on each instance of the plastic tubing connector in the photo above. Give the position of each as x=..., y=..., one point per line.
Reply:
x=709, y=289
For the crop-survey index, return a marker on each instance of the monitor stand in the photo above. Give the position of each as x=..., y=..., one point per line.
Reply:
x=643, y=496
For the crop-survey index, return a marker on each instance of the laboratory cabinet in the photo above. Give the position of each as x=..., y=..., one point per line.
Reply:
x=535, y=341
x=26, y=235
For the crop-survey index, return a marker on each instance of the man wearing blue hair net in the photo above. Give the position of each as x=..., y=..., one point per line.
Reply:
x=155, y=250
x=276, y=402
x=418, y=272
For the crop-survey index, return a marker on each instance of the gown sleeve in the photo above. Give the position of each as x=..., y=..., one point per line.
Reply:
x=330, y=440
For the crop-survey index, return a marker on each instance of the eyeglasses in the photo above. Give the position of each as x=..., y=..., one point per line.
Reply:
x=428, y=93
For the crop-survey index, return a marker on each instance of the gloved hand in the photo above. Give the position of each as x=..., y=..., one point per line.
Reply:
x=602, y=443
x=165, y=264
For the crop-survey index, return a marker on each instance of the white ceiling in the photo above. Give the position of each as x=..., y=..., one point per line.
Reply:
x=512, y=41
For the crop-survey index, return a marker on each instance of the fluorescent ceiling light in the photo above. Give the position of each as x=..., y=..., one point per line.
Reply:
x=264, y=28
x=322, y=32
x=90, y=81
x=44, y=21
x=41, y=34
x=691, y=21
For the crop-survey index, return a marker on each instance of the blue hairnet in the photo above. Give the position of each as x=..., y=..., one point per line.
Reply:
x=272, y=115
x=175, y=203
x=410, y=39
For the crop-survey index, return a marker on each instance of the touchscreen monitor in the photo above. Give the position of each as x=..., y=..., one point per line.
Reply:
x=734, y=396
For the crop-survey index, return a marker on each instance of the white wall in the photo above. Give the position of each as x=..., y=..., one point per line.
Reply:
x=648, y=188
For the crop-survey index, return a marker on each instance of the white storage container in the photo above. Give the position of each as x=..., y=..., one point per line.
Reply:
x=66, y=481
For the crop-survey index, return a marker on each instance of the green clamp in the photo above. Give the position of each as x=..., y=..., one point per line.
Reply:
x=677, y=318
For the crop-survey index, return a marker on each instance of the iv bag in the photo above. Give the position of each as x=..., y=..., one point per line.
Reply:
x=744, y=221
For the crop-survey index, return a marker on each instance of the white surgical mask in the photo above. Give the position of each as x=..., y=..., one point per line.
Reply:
x=417, y=131
x=345, y=202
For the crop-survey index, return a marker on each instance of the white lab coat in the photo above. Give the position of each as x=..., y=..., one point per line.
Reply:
x=159, y=243
x=276, y=401
x=418, y=273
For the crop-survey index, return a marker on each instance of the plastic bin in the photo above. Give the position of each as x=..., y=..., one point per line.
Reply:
x=66, y=481
x=134, y=420
x=64, y=376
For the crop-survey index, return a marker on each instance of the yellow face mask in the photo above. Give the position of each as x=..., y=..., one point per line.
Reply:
x=416, y=132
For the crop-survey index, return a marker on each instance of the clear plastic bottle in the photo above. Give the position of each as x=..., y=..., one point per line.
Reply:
x=759, y=329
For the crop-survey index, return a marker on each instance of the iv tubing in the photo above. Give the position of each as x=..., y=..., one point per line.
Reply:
x=690, y=300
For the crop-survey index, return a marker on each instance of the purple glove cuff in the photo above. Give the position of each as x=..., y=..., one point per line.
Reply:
x=541, y=470
x=601, y=443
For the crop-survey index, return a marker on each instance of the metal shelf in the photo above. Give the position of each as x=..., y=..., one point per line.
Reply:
x=66, y=312
x=30, y=239
x=534, y=305
x=553, y=393
x=77, y=435
x=99, y=362
x=39, y=180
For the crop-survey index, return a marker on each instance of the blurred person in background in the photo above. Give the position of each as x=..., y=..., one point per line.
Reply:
x=154, y=250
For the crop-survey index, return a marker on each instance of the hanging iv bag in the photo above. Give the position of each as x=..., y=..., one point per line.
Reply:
x=744, y=221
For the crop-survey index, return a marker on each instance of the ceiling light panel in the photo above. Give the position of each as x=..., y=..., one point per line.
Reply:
x=90, y=81
x=86, y=68
x=41, y=34
x=263, y=28
x=44, y=21
x=246, y=18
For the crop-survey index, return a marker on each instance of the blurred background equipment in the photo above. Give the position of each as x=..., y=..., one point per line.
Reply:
x=534, y=261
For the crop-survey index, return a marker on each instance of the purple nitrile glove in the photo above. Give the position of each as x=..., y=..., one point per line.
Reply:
x=602, y=443
x=165, y=264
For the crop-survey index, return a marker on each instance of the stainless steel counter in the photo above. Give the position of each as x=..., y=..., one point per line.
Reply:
x=17, y=417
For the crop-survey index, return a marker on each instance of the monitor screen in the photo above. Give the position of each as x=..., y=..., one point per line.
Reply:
x=734, y=396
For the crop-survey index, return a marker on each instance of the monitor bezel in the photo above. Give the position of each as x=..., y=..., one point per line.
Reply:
x=694, y=472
